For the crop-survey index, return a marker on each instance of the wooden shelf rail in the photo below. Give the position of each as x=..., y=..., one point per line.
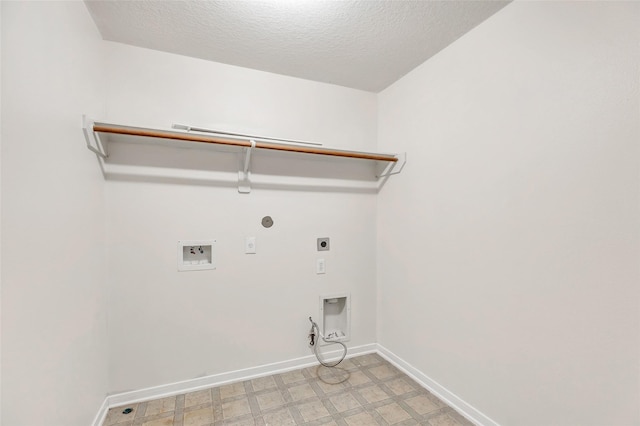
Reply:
x=386, y=164
x=190, y=137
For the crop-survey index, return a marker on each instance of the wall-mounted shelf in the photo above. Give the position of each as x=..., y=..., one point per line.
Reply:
x=99, y=135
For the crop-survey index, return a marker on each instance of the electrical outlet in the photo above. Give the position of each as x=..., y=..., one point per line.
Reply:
x=321, y=267
x=323, y=244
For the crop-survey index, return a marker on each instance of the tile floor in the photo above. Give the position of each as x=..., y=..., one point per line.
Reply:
x=376, y=393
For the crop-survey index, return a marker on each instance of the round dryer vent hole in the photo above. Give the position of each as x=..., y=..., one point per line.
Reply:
x=267, y=222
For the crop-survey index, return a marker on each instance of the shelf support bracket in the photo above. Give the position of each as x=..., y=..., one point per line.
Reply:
x=244, y=174
x=395, y=167
x=94, y=143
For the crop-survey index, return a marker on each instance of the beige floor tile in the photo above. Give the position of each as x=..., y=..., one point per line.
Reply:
x=373, y=394
x=460, y=419
x=362, y=419
x=234, y=389
x=311, y=371
x=333, y=376
x=436, y=400
x=301, y=392
x=313, y=410
x=393, y=413
x=400, y=386
x=249, y=421
x=236, y=408
x=197, y=398
x=443, y=420
x=421, y=404
x=279, y=418
x=369, y=359
x=329, y=388
x=292, y=376
x=165, y=421
x=344, y=402
x=263, y=383
x=358, y=378
x=125, y=423
x=384, y=371
x=201, y=417
x=347, y=364
x=158, y=406
x=270, y=400
x=115, y=415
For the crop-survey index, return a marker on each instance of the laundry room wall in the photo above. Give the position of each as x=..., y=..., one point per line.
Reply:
x=509, y=246
x=166, y=326
x=54, y=331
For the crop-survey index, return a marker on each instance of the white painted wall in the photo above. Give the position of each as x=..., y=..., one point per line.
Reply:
x=54, y=337
x=166, y=325
x=509, y=246
x=0, y=214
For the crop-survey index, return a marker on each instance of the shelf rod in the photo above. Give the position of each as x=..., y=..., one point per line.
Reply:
x=137, y=131
x=242, y=135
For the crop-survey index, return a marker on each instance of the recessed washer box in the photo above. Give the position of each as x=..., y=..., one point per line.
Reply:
x=335, y=317
x=196, y=255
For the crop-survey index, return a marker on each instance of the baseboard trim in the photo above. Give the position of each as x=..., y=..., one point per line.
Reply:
x=193, y=385
x=102, y=413
x=467, y=410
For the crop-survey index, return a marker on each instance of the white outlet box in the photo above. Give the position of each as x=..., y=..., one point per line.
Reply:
x=321, y=267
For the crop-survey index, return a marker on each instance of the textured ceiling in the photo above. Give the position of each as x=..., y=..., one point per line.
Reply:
x=361, y=44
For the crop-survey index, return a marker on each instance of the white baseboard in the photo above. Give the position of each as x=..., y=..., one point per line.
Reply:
x=193, y=385
x=102, y=413
x=455, y=402
x=177, y=388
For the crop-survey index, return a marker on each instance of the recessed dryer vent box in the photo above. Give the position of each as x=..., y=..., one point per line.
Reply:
x=196, y=255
